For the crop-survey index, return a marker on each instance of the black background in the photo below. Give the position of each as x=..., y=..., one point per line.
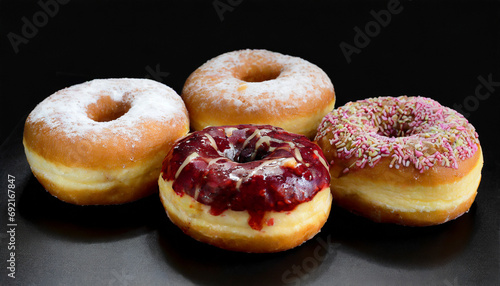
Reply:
x=437, y=49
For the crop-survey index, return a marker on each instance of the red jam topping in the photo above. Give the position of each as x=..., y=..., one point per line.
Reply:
x=257, y=168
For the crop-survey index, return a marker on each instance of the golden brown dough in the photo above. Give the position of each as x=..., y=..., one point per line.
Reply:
x=103, y=141
x=403, y=160
x=259, y=87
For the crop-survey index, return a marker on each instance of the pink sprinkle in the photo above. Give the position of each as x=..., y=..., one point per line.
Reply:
x=373, y=126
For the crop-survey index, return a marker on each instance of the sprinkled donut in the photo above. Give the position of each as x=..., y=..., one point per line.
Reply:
x=250, y=188
x=103, y=141
x=259, y=87
x=404, y=160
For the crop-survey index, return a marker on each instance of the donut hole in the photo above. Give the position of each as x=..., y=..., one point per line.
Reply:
x=261, y=73
x=249, y=154
x=395, y=128
x=107, y=109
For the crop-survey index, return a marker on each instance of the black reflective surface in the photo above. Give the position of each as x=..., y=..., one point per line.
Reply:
x=444, y=50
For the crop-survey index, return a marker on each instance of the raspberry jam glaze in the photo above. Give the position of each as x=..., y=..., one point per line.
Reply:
x=257, y=168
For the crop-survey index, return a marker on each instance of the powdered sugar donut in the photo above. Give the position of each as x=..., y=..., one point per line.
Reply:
x=259, y=87
x=103, y=141
x=405, y=160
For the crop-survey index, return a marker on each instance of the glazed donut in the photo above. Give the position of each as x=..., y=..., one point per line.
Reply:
x=259, y=87
x=249, y=188
x=103, y=141
x=403, y=160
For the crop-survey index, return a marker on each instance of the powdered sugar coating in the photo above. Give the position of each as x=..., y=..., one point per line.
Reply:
x=65, y=111
x=217, y=85
x=413, y=131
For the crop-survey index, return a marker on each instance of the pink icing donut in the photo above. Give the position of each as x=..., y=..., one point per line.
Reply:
x=407, y=160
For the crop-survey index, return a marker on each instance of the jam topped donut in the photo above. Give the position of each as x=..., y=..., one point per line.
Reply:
x=259, y=170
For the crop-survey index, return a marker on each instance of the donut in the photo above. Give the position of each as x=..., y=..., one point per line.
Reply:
x=248, y=188
x=258, y=87
x=102, y=142
x=403, y=160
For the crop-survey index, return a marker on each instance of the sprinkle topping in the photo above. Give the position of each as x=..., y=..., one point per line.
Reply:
x=413, y=131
